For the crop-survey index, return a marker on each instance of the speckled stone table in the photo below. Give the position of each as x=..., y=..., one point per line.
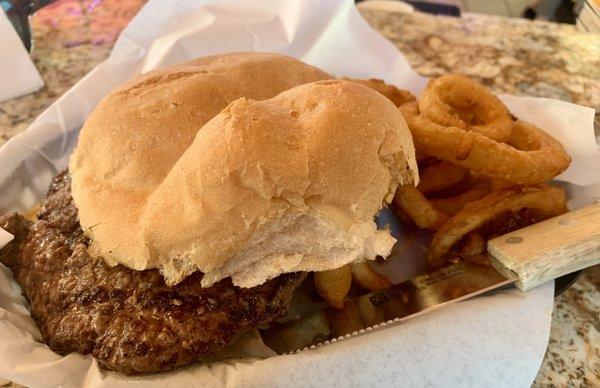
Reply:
x=508, y=55
x=70, y=38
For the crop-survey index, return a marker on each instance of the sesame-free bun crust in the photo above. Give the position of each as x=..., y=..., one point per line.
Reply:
x=225, y=165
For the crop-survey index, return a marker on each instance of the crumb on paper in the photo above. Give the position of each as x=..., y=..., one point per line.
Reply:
x=31, y=214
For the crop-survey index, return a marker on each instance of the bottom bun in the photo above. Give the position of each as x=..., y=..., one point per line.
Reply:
x=309, y=241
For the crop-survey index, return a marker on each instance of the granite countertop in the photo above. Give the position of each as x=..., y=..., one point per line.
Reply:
x=509, y=55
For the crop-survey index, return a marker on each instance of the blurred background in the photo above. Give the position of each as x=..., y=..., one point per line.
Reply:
x=583, y=13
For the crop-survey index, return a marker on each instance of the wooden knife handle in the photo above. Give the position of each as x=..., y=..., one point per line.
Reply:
x=549, y=249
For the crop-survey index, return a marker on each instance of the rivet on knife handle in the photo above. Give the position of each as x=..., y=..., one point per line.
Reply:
x=549, y=249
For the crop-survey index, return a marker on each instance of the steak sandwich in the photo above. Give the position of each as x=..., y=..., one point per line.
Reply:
x=197, y=198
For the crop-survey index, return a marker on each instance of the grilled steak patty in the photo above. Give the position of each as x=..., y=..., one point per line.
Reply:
x=130, y=321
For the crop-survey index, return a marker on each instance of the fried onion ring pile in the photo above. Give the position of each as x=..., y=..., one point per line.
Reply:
x=483, y=171
x=530, y=156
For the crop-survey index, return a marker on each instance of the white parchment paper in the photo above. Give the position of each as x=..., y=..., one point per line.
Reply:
x=18, y=74
x=498, y=339
x=5, y=237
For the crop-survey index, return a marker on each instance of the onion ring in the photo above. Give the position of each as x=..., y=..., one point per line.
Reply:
x=440, y=176
x=456, y=101
x=423, y=214
x=530, y=157
x=397, y=96
x=549, y=201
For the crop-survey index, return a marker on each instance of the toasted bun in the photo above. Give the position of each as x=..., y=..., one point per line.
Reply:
x=286, y=184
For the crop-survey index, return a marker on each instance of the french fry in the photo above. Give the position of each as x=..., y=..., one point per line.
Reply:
x=440, y=176
x=452, y=205
x=369, y=279
x=333, y=285
x=420, y=210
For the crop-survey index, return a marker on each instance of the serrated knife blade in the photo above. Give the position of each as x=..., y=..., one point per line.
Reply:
x=318, y=324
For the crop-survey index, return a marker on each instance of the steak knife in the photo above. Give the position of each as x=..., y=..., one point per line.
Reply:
x=524, y=258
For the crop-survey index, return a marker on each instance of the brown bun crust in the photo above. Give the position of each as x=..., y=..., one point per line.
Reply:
x=265, y=187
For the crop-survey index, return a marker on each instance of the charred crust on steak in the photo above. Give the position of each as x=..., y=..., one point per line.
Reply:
x=130, y=321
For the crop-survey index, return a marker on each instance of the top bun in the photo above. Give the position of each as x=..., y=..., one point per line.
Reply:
x=290, y=183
